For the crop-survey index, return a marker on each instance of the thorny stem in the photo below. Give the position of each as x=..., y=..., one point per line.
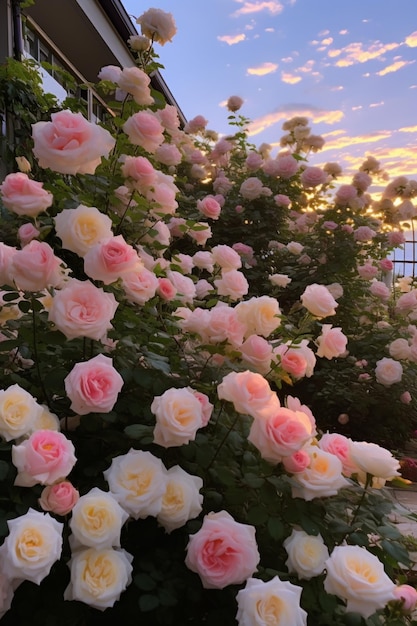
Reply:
x=229, y=430
x=36, y=354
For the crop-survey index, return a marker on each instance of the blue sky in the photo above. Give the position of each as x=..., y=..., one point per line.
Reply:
x=350, y=67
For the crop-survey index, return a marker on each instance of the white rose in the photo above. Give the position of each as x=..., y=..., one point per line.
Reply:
x=18, y=412
x=182, y=499
x=46, y=420
x=178, y=417
x=137, y=481
x=370, y=458
x=32, y=546
x=322, y=478
x=96, y=521
x=280, y=280
x=98, y=577
x=306, y=554
x=259, y=315
x=81, y=228
x=273, y=602
x=358, y=577
x=294, y=247
x=388, y=371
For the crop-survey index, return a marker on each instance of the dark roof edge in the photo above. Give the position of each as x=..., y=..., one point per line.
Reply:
x=120, y=19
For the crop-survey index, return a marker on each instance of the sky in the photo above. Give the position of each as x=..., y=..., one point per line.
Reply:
x=349, y=66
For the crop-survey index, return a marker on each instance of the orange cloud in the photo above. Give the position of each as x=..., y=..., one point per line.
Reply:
x=290, y=79
x=408, y=129
x=262, y=70
x=355, y=52
x=411, y=40
x=231, y=40
x=394, y=67
x=315, y=115
x=273, y=6
x=344, y=141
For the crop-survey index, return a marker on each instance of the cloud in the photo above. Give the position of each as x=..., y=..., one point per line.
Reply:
x=327, y=41
x=394, y=67
x=411, y=40
x=290, y=79
x=337, y=88
x=356, y=52
x=232, y=39
x=273, y=6
x=262, y=70
x=408, y=129
x=343, y=32
x=345, y=141
x=314, y=114
x=376, y=104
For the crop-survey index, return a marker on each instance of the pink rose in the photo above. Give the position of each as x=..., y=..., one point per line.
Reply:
x=407, y=595
x=145, y=130
x=364, y=233
x=168, y=116
x=141, y=170
x=168, y=154
x=134, y=81
x=292, y=361
x=313, y=176
x=179, y=415
x=405, y=397
x=380, y=290
x=331, y=343
x=386, y=265
x=257, y=351
x=110, y=72
x=367, y=271
x=6, y=255
x=195, y=125
x=206, y=406
x=223, y=552
x=223, y=324
x=35, y=267
x=209, y=207
x=296, y=462
x=249, y=392
x=166, y=289
x=69, y=144
x=284, y=165
x=345, y=194
x=388, y=371
x=183, y=284
x=59, y=498
x=232, y=284
x=280, y=432
x=27, y=232
x=24, y=196
x=251, y=188
x=45, y=457
x=109, y=259
x=140, y=285
x=282, y=200
x=200, y=234
x=93, y=386
x=226, y=257
x=318, y=300
x=82, y=310
x=157, y=25
x=339, y=445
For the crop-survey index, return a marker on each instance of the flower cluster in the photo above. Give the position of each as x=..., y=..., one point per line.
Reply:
x=152, y=455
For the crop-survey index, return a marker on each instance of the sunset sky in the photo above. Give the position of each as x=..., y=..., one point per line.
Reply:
x=349, y=67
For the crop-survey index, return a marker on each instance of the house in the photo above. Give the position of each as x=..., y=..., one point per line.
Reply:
x=79, y=36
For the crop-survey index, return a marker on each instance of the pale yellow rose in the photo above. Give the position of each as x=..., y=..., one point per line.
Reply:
x=182, y=499
x=307, y=554
x=81, y=228
x=19, y=411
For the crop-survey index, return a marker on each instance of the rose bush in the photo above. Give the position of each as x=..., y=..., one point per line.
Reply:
x=176, y=365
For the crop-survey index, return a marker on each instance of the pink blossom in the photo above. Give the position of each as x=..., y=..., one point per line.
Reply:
x=223, y=552
x=27, y=232
x=282, y=200
x=93, y=386
x=226, y=257
x=35, y=267
x=166, y=289
x=135, y=81
x=139, y=284
x=168, y=116
x=157, y=25
x=405, y=397
x=24, y=196
x=329, y=225
x=367, y=271
x=253, y=161
x=141, y=170
x=109, y=259
x=339, y=445
x=45, y=457
x=168, y=154
x=345, y=194
x=296, y=462
x=285, y=166
x=145, y=130
x=195, y=125
x=209, y=207
x=407, y=595
x=232, y=284
x=364, y=233
x=234, y=103
x=59, y=498
x=380, y=290
x=257, y=351
x=362, y=181
x=249, y=392
x=313, y=176
x=69, y=144
x=396, y=238
x=224, y=325
x=386, y=265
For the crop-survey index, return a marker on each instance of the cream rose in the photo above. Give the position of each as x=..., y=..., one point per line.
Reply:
x=388, y=371
x=137, y=481
x=98, y=577
x=18, y=412
x=259, y=315
x=32, y=546
x=178, y=415
x=182, y=499
x=331, y=343
x=157, y=25
x=274, y=602
x=370, y=458
x=307, y=554
x=358, y=577
x=322, y=478
x=81, y=228
x=97, y=520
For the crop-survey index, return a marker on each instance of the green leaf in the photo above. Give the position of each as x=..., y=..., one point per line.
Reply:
x=4, y=469
x=148, y=602
x=138, y=431
x=144, y=582
x=276, y=528
x=167, y=597
x=257, y=515
x=396, y=551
